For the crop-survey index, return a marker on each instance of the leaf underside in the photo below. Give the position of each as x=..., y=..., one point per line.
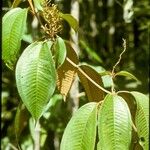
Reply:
x=114, y=124
x=61, y=51
x=92, y=91
x=36, y=77
x=80, y=133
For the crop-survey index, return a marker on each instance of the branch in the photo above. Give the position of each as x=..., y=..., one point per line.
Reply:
x=81, y=71
x=37, y=136
x=32, y=7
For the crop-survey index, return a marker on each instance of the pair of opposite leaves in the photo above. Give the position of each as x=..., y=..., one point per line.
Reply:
x=112, y=118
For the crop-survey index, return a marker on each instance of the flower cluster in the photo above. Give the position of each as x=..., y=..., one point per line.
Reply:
x=53, y=20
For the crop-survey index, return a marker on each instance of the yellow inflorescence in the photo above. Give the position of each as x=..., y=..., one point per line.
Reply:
x=53, y=21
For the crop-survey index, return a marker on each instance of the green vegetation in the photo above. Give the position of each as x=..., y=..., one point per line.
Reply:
x=67, y=83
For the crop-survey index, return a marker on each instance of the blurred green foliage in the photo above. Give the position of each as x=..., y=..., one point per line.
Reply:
x=103, y=24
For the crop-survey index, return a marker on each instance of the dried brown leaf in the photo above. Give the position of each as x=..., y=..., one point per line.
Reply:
x=67, y=72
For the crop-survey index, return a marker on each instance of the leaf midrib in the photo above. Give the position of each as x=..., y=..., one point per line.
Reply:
x=37, y=66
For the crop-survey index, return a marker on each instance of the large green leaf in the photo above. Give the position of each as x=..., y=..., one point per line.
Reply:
x=80, y=133
x=60, y=50
x=13, y=27
x=71, y=21
x=114, y=124
x=142, y=118
x=36, y=77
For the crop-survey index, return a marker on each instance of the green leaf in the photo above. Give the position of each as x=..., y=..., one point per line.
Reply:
x=36, y=77
x=92, y=91
x=114, y=124
x=60, y=49
x=142, y=118
x=13, y=27
x=80, y=133
x=71, y=20
x=126, y=74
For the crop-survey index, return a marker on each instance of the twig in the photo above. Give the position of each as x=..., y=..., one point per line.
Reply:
x=123, y=92
x=31, y=5
x=114, y=67
x=120, y=56
x=81, y=71
x=34, y=12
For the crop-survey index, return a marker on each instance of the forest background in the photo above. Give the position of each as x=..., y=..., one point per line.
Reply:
x=102, y=25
